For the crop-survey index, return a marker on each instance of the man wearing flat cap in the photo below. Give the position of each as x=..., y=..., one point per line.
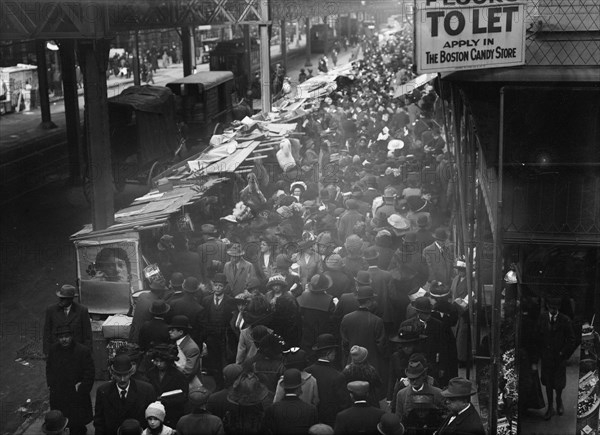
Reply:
x=464, y=418
x=360, y=418
x=70, y=377
x=70, y=313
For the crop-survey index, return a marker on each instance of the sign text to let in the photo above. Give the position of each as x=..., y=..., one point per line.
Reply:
x=468, y=34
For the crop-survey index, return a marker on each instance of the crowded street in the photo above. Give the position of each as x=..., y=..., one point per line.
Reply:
x=345, y=241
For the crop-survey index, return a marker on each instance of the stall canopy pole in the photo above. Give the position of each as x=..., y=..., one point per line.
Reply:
x=265, y=57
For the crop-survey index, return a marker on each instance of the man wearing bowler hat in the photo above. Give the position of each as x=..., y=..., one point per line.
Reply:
x=360, y=418
x=331, y=384
x=291, y=415
x=156, y=329
x=440, y=345
x=67, y=312
x=464, y=418
x=70, y=377
x=365, y=329
x=439, y=258
x=121, y=398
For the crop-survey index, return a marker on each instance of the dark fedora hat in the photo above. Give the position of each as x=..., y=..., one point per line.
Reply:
x=292, y=378
x=67, y=291
x=363, y=278
x=459, y=387
x=364, y=293
x=180, y=322
x=415, y=369
x=423, y=305
x=325, y=341
x=438, y=290
x=320, y=283
x=390, y=425
x=295, y=358
x=440, y=234
x=191, y=284
x=282, y=261
x=160, y=307
x=407, y=334
x=63, y=330
x=410, y=237
x=247, y=390
x=371, y=253
x=54, y=422
x=121, y=364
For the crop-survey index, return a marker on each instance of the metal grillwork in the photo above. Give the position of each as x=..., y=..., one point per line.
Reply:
x=563, y=32
x=543, y=203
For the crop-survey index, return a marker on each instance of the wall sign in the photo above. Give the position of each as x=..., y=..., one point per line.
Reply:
x=468, y=34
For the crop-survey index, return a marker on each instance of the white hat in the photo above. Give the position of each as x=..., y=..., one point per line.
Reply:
x=156, y=409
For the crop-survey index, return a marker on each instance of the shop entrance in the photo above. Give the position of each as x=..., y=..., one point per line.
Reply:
x=569, y=276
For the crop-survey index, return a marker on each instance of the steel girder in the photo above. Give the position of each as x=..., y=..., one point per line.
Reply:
x=94, y=19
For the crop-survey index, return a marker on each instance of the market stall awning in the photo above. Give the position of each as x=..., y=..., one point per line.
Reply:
x=413, y=84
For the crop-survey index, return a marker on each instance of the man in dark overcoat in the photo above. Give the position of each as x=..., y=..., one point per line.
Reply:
x=556, y=343
x=333, y=395
x=463, y=418
x=360, y=418
x=440, y=345
x=121, y=398
x=212, y=249
x=70, y=377
x=316, y=310
x=439, y=258
x=141, y=312
x=70, y=313
x=187, y=305
x=382, y=284
x=365, y=329
x=291, y=415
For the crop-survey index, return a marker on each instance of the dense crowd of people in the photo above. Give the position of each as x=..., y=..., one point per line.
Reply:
x=331, y=300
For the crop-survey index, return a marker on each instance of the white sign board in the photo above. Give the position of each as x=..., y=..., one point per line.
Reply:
x=468, y=34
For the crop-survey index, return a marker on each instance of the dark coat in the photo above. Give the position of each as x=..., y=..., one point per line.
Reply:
x=342, y=283
x=440, y=264
x=316, y=310
x=381, y=283
x=363, y=328
x=200, y=422
x=385, y=256
x=556, y=343
x=78, y=320
x=439, y=347
x=212, y=249
x=360, y=418
x=446, y=312
x=172, y=380
x=217, y=401
x=141, y=314
x=188, y=306
x=188, y=263
x=65, y=367
x=467, y=423
x=289, y=416
x=110, y=412
x=346, y=305
x=156, y=331
x=333, y=394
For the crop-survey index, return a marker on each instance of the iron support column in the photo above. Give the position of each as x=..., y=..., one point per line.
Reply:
x=265, y=57
x=188, y=50
x=283, y=44
x=71, y=101
x=93, y=55
x=308, y=49
x=42, y=70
